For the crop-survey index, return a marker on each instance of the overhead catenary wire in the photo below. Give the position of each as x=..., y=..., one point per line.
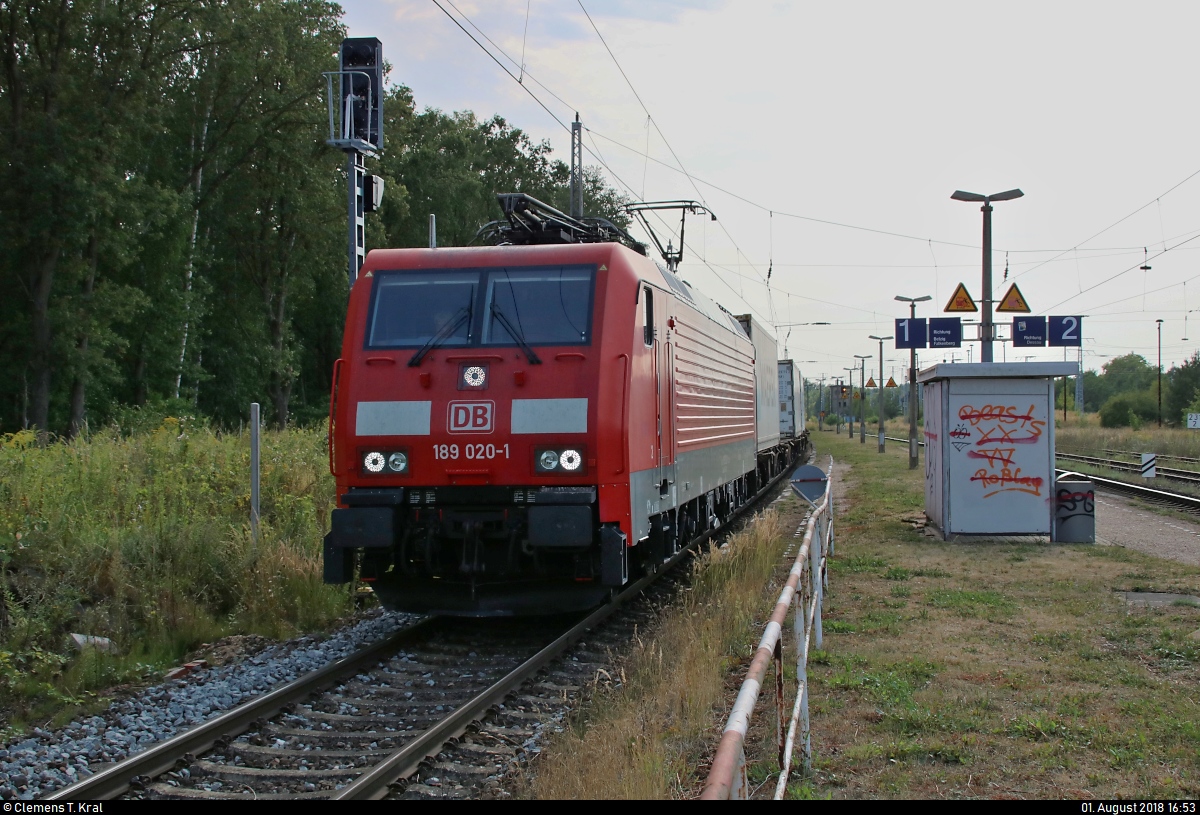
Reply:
x=1116, y=223
x=698, y=180
x=695, y=180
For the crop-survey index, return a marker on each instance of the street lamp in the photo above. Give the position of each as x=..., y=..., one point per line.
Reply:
x=881, y=339
x=912, y=382
x=862, y=402
x=1160, y=322
x=986, y=209
x=851, y=405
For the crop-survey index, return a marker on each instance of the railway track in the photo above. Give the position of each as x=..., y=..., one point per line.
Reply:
x=1151, y=495
x=364, y=726
x=1174, y=474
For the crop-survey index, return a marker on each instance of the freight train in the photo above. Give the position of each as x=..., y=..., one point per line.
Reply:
x=523, y=428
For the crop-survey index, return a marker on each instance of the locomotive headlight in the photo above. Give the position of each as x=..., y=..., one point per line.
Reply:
x=397, y=462
x=474, y=376
x=548, y=460
x=373, y=462
x=570, y=459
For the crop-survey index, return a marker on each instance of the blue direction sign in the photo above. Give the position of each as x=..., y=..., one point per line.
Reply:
x=1066, y=331
x=910, y=333
x=945, y=332
x=1029, y=332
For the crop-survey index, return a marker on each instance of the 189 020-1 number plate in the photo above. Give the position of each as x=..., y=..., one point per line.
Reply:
x=470, y=451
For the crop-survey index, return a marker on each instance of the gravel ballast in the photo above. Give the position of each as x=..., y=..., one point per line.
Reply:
x=45, y=761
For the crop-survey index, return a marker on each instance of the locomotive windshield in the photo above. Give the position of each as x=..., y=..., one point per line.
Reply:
x=410, y=308
x=493, y=307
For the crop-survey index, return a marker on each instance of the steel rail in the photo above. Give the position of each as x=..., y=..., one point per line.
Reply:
x=1187, y=476
x=1136, y=453
x=375, y=783
x=905, y=441
x=115, y=779
x=1137, y=490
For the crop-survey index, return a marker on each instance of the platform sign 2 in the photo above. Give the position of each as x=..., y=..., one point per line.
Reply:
x=910, y=333
x=1029, y=332
x=1066, y=331
x=945, y=332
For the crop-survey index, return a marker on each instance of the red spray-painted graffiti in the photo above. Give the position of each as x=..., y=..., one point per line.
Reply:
x=996, y=425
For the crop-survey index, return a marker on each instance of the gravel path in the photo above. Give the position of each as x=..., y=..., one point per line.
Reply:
x=46, y=761
x=1121, y=522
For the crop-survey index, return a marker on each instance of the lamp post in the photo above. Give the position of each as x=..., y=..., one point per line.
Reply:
x=851, y=405
x=881, y=339
x=986, y=209
x=862, y=402
x=912, y=382
x=1160, y=322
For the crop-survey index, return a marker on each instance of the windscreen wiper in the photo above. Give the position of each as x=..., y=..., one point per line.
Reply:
x=463, y=316
x=516, y=335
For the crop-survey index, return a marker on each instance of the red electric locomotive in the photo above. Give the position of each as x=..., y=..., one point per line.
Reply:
x=514, y=429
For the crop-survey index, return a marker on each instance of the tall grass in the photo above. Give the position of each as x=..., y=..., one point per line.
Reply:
x=1173, y=441
x=146, y=540
x=647, y=739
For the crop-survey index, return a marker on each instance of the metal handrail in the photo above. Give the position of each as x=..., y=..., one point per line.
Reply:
x=727, y=776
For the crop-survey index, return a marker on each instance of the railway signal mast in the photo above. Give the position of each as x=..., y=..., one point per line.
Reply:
x=355, y=104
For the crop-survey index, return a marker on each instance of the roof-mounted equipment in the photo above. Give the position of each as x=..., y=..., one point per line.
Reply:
x=672, y=256
x=529, y=221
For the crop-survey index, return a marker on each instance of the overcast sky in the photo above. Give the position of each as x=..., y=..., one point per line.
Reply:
x=805, y=126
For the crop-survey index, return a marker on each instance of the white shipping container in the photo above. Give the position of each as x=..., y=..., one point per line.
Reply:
x=791, y=400
x=766, y=380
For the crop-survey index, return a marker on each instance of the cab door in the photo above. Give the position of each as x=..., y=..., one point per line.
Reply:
x=656, y=316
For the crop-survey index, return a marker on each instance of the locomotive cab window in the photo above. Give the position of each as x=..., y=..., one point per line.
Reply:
x=542, y=306
x=648, y=330
x=409, y=308
x=472, y=307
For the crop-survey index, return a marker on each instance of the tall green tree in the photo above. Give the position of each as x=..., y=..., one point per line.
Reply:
x=1181, y=388
x=78, y=88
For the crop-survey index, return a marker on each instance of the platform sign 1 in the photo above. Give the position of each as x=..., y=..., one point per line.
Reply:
x=1066, y=331
x=945, y=332
x=1029, y=332
x=910, y=333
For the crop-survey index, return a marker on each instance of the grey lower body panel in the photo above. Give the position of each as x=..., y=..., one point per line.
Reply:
x=692, y=475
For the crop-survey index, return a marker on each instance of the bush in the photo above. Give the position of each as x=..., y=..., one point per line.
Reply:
x=1129, y=410
x=142, y=536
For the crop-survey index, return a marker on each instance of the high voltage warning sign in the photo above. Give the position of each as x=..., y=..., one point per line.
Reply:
x=961, y=300
x=891, y=383
x=870, y=383
x=1014, y=301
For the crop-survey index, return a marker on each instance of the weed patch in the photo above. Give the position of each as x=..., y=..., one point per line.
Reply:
x=1013, y=671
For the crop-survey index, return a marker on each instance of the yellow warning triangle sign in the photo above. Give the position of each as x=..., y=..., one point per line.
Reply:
x=870, y=382
x=961, y=301
x=891, y=382
x=856, y=395
x=1014, y=301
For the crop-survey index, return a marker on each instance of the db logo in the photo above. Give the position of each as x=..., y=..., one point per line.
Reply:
x=470, y=417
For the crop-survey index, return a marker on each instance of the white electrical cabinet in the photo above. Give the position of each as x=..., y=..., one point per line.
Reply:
x=989, y=446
